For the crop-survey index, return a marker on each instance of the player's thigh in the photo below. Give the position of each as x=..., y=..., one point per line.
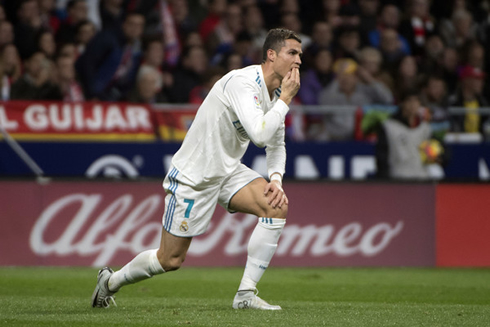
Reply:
x=251, y=199
x=188, y=208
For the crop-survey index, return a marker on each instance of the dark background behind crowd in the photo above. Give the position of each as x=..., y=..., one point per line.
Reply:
x=356, y=52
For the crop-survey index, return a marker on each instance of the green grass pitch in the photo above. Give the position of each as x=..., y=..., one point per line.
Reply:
x=202, y=297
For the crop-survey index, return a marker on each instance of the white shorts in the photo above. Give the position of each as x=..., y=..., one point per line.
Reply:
x=189, y=209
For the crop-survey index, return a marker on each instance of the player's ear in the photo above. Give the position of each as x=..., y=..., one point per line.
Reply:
x=271, y=55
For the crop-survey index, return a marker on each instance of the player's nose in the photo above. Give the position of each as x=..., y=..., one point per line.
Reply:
x=298, y=60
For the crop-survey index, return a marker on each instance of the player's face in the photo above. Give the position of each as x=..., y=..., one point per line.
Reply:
x=288, y=58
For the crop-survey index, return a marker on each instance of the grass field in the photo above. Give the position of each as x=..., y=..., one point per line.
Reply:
x=202, y=297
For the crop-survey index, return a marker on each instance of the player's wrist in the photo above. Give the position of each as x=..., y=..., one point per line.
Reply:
x=276, y=177
x=286, y=100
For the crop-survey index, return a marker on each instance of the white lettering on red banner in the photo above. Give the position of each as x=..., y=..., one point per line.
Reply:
x=59, y=117
x=127, y=225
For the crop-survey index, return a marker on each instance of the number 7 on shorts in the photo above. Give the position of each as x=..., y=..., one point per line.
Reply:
x=190, y=203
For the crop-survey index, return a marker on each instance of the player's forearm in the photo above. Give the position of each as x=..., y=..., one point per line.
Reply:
x=265, y=128
x=276, y=161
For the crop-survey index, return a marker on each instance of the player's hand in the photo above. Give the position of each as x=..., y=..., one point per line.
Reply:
x=290, y=85
x=275, y=194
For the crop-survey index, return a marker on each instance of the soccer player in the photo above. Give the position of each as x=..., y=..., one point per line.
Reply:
x=245, y=105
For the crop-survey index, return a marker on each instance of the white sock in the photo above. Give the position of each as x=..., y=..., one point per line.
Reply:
x=145, y=265
x=261, y=248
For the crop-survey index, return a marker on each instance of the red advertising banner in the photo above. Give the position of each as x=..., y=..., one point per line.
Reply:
x=103, y=223
x=43, y=120
x=463, y=225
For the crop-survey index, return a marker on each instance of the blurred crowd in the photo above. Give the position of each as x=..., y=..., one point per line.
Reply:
x=356, y=53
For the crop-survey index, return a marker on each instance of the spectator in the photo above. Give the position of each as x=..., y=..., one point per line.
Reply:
x=313, y=81
x=391, y=48
x=108, y=67
x=77, y=12
x=85, y=31
x=348, y=43
x=316, y=78
x=222, y=38
x=470, y=96
x=111, y=14
x=289, y=6
x=347, y=90
x=434, y=96
x=27, y=28
x=192, y=66
x=331, y=13
x=6, y=33
x=368, y=18
x=254, y=26
x=242, y=47
x=444, y=9
x=321, y=39
x=434, y=50
x=182, y=19
x=46, y=44
x=153, y=53
x=49, y=20
x=216, y=10
x=148, y=86
x=10, y=69
x=371, y=68
x=68, y=50
x=389, y=18
x=474, y=54
x=417, y=26
x=37, y=81
x=193, y=39
x=290, y=21
x=211, y=76
x=399, y=138
x=460, y=30
x=406, y=76
x=232, y=61
x=349, y=13
x=70, y=89
x=153, y=57
x=448, y=65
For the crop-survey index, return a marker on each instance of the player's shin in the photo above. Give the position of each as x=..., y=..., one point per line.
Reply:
x=261, y=248
x=145, y=265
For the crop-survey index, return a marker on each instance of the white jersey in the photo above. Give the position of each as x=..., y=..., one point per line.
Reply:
x=237, y=110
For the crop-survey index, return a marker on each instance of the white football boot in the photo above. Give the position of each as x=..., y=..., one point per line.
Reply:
x=249, y=300
x=102, y=296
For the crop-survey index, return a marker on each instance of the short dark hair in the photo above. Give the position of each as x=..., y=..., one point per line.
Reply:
x=276, y=39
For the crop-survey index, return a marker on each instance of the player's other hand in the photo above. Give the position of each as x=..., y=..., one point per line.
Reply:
x=275, y=194
x=290, y=85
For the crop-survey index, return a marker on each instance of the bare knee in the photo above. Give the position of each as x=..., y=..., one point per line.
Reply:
x=276, y=212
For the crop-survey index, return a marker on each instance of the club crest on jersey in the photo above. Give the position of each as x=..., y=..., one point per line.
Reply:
x=184, y=227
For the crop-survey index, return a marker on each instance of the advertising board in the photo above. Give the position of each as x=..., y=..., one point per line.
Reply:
x=103, y=223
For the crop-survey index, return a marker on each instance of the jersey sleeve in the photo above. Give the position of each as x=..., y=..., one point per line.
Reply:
x=276, y=153
x=244, y=97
